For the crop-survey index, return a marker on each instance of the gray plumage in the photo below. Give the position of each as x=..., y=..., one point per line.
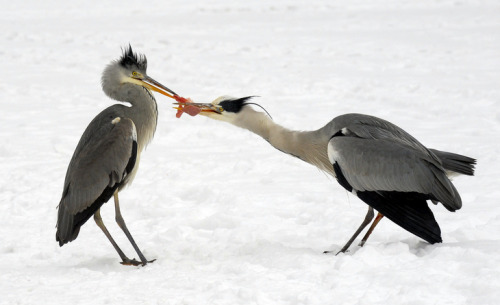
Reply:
x=374, y=159
x=99, y=163
x=376, y=155
x=107, y=156
x=455, y=164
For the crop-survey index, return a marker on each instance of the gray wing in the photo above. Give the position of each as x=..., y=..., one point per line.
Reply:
x=370, y=127
x=100, y=164
x=375, y=155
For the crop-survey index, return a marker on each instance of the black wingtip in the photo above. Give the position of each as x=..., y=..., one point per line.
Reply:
x=408, y=210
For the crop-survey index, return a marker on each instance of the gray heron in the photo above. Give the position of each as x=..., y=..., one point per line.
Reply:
x=107, y=156
x=373, y=159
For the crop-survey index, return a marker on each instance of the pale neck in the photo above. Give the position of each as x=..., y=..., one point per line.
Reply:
x=308, y=146
x=144, y=114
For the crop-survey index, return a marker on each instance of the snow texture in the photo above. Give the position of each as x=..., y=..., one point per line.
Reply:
x=229, y=219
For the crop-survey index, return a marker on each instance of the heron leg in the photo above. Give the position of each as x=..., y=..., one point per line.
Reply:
x=370, y=230
x=123, y=226
x=366, y=221
x=100, y=224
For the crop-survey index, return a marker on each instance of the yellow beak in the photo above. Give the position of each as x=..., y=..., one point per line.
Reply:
x=151, y=84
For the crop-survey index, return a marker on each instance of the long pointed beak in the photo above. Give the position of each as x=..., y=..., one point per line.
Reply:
x=156, y=86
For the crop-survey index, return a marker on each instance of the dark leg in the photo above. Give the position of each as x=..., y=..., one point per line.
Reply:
x=123, y=226
x=100, y=224
x=370, y=230
x=366, y=221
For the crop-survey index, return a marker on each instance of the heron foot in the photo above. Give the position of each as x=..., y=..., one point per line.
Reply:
x=330, y=252
x=134, y=262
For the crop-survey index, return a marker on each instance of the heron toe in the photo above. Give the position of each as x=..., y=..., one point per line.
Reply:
x=134, y=262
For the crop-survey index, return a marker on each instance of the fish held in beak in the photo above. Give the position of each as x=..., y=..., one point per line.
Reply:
x=193, y=109
x=183, y=106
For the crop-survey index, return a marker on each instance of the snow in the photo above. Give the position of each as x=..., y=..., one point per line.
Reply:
x=229, y=219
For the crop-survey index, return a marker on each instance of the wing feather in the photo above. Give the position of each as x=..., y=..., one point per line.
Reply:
x=100, y=164
x=388, y=165
x=95, y=171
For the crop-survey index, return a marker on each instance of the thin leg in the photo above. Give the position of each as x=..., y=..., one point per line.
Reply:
x=366, y=221
x=123, y=226
x=100, y=224
x=370, y=230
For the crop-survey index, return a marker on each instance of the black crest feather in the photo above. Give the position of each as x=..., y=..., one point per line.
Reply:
x=235, y=105
x=130, y=59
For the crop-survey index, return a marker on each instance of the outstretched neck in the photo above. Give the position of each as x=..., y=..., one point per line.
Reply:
x=308, y=146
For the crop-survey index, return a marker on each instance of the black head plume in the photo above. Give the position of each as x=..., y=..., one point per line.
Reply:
x=235, y=105
x=131, y=60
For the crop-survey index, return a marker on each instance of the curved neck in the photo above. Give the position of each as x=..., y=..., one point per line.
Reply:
x=144, y=114
x=309, y=146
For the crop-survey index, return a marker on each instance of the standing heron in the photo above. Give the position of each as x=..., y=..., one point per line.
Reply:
x=375, y=160
x=107, y=157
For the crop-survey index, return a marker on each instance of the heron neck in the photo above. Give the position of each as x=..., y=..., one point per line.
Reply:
x=308, y=146
x=144, y=114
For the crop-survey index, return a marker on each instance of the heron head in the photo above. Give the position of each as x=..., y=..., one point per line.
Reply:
x=224, y=108
x=130, y=68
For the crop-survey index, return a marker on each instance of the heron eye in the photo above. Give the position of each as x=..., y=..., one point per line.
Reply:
x=135, y=73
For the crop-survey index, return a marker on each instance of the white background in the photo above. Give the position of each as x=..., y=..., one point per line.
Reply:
x=229, y=219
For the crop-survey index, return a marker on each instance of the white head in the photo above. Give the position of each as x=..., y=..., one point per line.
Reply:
x=121, y=77
x=224, y=108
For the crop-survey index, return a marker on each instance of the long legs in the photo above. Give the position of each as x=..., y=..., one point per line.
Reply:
x=366, y=221
x=100, y=224
x=123, y=226
x=370, y=230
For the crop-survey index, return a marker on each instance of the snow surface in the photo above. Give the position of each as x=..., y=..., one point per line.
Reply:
x=229, y=219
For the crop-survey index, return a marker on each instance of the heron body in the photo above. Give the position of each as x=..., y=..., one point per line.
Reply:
x=375, y=160
x=93, y=180
x=107, y=156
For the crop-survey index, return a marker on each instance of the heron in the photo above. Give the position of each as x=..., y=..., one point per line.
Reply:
x=375, y=160
x=107, y=156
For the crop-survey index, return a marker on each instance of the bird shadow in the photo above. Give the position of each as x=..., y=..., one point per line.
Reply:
x=421, y=248
x=417, y=248
x=102, y=264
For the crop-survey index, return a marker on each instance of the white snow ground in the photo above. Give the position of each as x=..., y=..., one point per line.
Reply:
x=229, y=219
